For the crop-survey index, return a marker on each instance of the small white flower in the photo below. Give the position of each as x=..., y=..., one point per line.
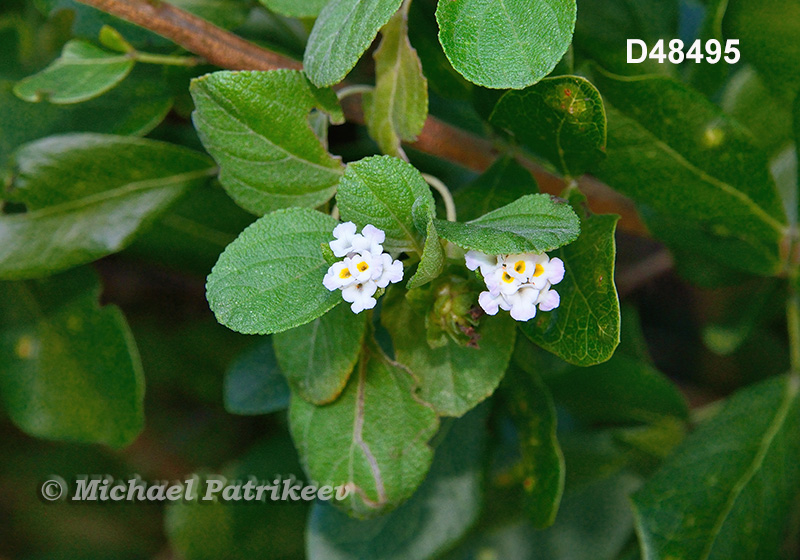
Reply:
x=348, y=241
x=517, y=283
x=502, y=282
x=370, y=239
x=344, y=234
x=338, y=276
x=547, y=271
x=521, y=266
x=522, y=303
x=359, y=295
x=487, y=263
x=365, y=267
x=548, y=299
x=490, y=303
x=392, y=271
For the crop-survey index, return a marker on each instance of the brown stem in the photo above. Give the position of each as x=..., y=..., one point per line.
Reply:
x=226, y=50
x=194, y=34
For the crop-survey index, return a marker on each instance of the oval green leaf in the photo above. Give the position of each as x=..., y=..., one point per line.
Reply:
x=71, y=370
x=532, y=223
x=89, y=195
x=341, y=34
x=82, y=72
x=255, y=125
x=270, y=279
x=317, y=357
x=348, y=442
x=505, y=43
x=388, y=193
x=437, y=515
x=676, y=152
x=745, y=459
x=396, y=110
x=559, y=118
x=452, y=378
x=585, y=328
x=254, y=383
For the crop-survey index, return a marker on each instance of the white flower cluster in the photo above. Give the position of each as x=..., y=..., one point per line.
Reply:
x=518, y=283
x=365, y=267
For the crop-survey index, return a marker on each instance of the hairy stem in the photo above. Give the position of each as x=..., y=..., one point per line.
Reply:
x=357, y=89
x=447, y=197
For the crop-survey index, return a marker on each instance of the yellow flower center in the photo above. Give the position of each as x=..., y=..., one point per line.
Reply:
x=539, y=270
x=344, y=273
x=362, y=266
x=519, y=267
x=507, y=278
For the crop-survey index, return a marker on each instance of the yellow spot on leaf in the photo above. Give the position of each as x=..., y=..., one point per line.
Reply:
x=24, y=347
x=713, y=137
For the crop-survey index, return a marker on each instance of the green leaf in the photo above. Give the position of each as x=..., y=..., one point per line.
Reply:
x=704, y=76
x=532, y=223
x=373, y=438
x=317, y=357
x=542, y=463
x=296, y=8
x=503, y=183
x=584, y=328
x=71, y=370
x=89, y=195
x=431, y=261
x=435, y=517
x=442, y=77
x=396, y=110
x=745, y=459
x=673, y=150
x=82, y=72
x=254, y=384
x=238, y=530
x=133, y=108
x=341, y=34
x=255, y=125
x=560, y=118
x=749, y=100
x=113, y=39
x=452, y=378
x=388, y=193
x=768, y=40
x=625, y=389
x=604, y=27
x=594, y=522
x=270, y=279
x=506, y=43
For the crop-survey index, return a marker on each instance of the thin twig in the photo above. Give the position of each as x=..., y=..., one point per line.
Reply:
x=356, y=89
x=441, y=188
